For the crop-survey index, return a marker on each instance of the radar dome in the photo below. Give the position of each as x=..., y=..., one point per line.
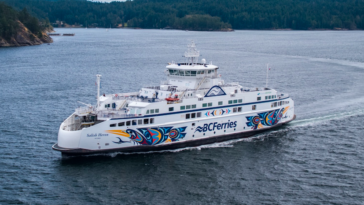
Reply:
x=203, y=61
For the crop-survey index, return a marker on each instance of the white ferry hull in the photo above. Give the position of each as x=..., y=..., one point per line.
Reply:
x=103, y=138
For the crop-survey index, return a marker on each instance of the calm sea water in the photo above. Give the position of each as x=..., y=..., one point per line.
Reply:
x=317, y=159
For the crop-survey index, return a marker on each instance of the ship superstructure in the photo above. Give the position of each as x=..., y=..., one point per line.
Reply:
x=193, y=106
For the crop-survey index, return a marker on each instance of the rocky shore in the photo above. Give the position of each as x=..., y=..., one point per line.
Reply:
x=24, y=37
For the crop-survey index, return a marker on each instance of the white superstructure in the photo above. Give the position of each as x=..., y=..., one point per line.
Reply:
x=193, y=106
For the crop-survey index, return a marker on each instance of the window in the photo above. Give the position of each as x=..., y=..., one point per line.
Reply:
x=204, y=105
x=230, y=102
x=112, y=125
x=193, y=115
x=188, y=107
x=219, y=103
x=147, y=112
x=259, y=98
x=183, y=107
x=151, y=120
x=127, y=123
x=194, y=106
x=193, y=124
x=151, y=111
x=235, y=109
x=193, y=73
x=120, y=124
x=240, y=100
x=236, y=91
x=171, y=109
x=156, y=110
x=275, y=104
x=140, y=122
x=235, y=101
x=254, y=107
x=266, y=97
x=209, y=72
x=200, y=99
x=188, y=116
x=198, y=114
x=113, y=105
x=134, y=122
x=210, y=104
x=240, y=109
x=146, y=121
x=181, y=73
x=188, y=73
x=269, y=97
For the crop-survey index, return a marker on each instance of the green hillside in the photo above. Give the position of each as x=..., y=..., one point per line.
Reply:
x=203, y=14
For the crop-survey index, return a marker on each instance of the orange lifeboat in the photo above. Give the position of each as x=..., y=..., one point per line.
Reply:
x=173, y=99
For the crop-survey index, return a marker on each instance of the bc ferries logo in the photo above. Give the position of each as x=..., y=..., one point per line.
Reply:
x=214, y=125
x=215, y=91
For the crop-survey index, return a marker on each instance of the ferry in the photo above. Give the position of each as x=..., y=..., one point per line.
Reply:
x=193, y=107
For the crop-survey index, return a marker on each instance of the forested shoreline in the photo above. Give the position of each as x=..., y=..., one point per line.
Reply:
x=204, y=15
x=19, y=28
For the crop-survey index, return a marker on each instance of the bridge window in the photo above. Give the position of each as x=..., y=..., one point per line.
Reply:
x=193, y=73
x=235, y=101
x=219, y=103
x=210, y=104
x=230, y=102
x=156, y=110
x=188, y=107
x=171, y=109
x=259, y=98
x=240, y=100
x=151, y=111
x=187, y=73
x=193, y=106
x=204, y=105
x=181, y=73
x=183, y=107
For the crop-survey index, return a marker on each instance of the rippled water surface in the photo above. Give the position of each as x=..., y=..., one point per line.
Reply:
x=317, y=159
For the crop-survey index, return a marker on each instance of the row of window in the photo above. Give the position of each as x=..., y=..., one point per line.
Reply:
x=145, y=121
x=207, y=104
x=270, y=97
x=152, y=111
x=187, y=107
x=193, y=115
x=189, y=72
x=235, y=101
x=108, y=105
x=279, y=103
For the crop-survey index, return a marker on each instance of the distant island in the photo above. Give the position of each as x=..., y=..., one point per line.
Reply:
x=21, y=29
x=201, y=15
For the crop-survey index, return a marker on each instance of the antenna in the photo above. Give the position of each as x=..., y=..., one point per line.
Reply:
x=98, y=76
x=266, y=80
x=192, y=53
